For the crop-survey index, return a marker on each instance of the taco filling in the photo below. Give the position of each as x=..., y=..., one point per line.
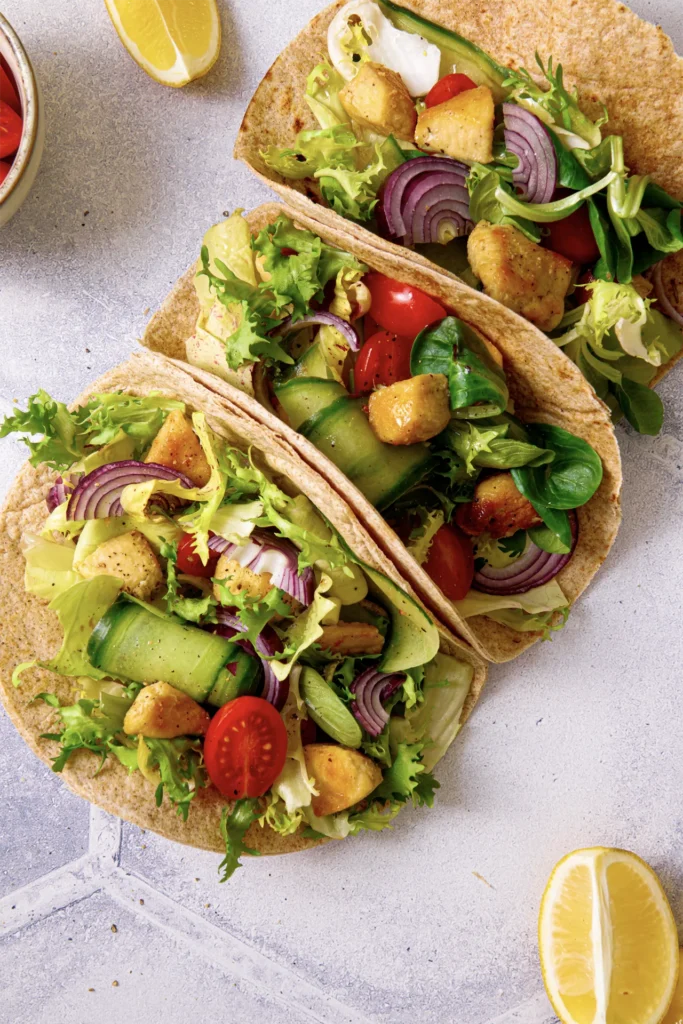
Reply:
x=219, y=633
x=410, y=403
x=427, y=140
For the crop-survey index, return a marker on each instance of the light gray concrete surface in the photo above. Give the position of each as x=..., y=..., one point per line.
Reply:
x=576, y=743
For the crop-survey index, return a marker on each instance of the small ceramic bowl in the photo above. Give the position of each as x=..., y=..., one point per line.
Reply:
x=17, y=184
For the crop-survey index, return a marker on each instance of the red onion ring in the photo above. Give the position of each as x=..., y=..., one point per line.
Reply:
x=411, y=191
x=371, y=688
x=534, y=568
x=58, y=493
x=267, y=644
x=260, y=554
x=97, y=495
x=527, y=138
x=320, y=319
x=663, y=298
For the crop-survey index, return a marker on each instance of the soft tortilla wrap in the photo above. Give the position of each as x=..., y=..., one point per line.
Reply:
x=31, y=631
x=544, y=384
x=610, y=54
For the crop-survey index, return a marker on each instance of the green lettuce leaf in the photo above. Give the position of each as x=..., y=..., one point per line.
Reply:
x=305, y=630
x=323, y=86
x=192, y=609
x=235, y=824
x=407, y=778
x=65, y=437
x=254, y=614
x=548, y=598
x=49, y=568
x=181, y=766
x=90, y=725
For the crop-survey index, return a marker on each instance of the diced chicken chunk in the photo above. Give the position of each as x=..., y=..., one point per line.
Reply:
x=162, y=712
x=497, y=509
x=412, y=410
x=378, y=99
x=342, y=777
x=130, y=558
x=240, y=580
x=176, y=446
x=352, y=638
x=522, y=275
x=461, y=128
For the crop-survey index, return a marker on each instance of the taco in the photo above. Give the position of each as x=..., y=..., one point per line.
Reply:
x=484, y=466
x=425, y=126
x=200, y=636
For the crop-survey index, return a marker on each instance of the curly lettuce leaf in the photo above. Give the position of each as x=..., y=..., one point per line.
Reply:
x=293, y=785
x=488, y=446
x=180, y=765
x=277, y=817
x=192, y=609
x=407, y=778
x=305, y=630
x=323, y=86
x=313, y=149
x=230, y=242
x=90, y=725
x=254, y=614
x=235, y=823
x=63, y=437
x=554, y=105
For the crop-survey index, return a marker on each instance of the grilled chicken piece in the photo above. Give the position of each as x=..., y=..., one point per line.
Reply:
x=412, y=410
x=461, y=128
x=353, y=638
x=130, y=558
x=342, y=776
x=377, y=99
x=523, y=276
x=497, y=509
x=176, y=446
x=240, y=580
x=162, y=712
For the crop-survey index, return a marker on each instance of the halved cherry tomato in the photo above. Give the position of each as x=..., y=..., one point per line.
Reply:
x=245, y=747
x=5, y=168
x=383, y=359
x=451, y=562
x=401, y=308
x=11, y=127
x=584, y=294
x=573, y=237
x=448, y=87
x=189, y=562
x=8, y=92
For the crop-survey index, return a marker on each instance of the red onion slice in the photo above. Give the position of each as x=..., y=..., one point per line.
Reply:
x=534, y=568
x=371, y=688
x=264, y=552
x=59, y=492
x=527, y=138
x=267, y=644
x=663, y=298
x=320, y=319
x=97, y=495
x=407, y=197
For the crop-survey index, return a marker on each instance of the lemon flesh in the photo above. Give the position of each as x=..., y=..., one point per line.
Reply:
x=175, y=41
x=607, y=940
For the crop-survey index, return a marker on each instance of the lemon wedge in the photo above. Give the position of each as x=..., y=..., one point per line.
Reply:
x=175, y=41
x=607, y=940
x=675, y=1013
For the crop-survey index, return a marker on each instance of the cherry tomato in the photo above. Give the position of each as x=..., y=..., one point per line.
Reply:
x=189, y=562
x=584, y=294
x=8, y=92
x=288, y=252
x=11, y=127
x=451, y=562
x=401, y=308
x=5, y=168
x=245, y=747
x=448, y=87
x=383, y=359
x=573, y=237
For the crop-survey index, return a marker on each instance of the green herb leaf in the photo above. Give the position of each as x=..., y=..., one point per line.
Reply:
x=234, y=826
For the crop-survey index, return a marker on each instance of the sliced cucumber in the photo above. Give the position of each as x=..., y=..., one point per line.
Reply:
x=130, y=642
x=328, y=711
x=414, y=638
x=312, y=364
x=381, y=471
x=304, y=397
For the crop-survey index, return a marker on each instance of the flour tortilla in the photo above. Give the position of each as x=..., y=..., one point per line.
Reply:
x=610, y=54
x=31, y=631
x=544, y=384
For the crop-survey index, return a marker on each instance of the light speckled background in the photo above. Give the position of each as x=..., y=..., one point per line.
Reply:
x=576, y=743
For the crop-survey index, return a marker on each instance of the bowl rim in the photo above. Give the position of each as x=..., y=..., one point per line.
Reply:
x=29, y=87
